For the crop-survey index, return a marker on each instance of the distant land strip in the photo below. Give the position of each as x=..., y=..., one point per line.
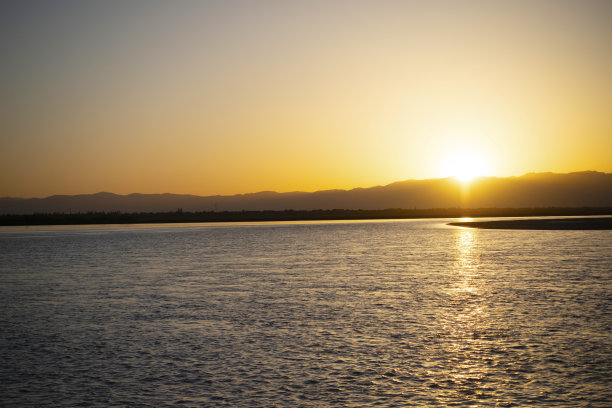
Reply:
x=542, y=224
x=180, y=216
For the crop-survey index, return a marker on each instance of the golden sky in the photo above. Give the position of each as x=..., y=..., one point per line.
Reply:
x=225, y=97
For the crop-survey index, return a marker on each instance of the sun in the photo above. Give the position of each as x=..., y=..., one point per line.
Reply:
x=464, y=164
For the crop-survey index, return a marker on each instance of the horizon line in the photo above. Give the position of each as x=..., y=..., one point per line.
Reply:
x=304, y=192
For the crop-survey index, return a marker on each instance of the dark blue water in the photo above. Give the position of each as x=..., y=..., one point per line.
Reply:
x=406, y=313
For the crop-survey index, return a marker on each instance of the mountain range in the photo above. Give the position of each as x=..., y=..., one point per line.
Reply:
x=533, y=190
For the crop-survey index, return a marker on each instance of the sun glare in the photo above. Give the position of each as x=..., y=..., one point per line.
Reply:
x=464, y=165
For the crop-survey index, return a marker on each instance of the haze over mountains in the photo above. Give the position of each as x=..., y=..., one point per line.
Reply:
x=580, y=189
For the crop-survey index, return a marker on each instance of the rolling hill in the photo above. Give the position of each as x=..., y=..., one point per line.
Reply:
x=533, y=190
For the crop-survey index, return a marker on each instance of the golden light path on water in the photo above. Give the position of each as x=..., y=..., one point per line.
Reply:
x=466, y=322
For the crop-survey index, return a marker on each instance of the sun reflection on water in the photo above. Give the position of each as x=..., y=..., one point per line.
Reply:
x=464, y=332
x=466, y=265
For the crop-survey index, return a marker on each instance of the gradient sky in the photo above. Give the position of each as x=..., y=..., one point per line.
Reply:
x=224, y=97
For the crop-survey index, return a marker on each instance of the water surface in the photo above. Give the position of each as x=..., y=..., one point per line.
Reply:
x=384, y=313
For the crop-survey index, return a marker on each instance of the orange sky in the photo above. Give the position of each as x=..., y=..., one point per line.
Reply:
x=225, y=97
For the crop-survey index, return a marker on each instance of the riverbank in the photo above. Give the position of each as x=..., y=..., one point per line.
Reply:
x=287, y=215
x=598, y=223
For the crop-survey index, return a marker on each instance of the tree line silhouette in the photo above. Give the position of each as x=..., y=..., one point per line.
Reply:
x=180, y=216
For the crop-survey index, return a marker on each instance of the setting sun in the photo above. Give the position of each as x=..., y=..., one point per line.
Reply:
x=464, y=164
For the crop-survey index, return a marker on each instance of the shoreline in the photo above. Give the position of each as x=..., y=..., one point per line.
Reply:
x=598, y=223
x=103, y=218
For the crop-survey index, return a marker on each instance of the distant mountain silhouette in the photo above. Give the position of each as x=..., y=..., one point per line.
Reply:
x=581, y=189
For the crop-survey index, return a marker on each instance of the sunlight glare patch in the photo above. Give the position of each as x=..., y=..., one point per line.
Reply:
x=464, y=165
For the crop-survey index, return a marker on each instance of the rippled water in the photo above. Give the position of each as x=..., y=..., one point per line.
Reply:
x=402, y=313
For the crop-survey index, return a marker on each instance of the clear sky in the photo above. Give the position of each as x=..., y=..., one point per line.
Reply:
x=224, y=97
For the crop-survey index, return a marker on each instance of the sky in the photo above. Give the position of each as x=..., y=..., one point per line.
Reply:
x=227, y=97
